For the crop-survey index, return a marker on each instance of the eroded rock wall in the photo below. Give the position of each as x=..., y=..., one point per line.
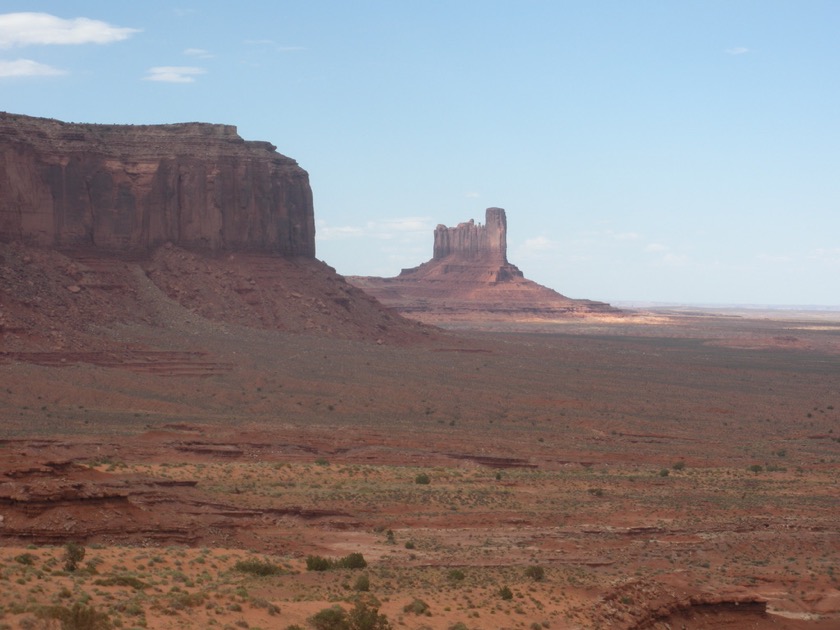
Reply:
x=134, y=187
x=472, y=242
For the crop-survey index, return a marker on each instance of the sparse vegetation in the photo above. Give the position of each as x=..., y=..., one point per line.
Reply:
x=79, y=617
x=73, y=555
x=257, y=567
x=363, y=616
x=536, y=573
x=417, y=607
x=350, y=561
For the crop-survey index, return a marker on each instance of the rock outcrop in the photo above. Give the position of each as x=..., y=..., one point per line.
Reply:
x=469, y=278
x=105, y=225
x=134, y=187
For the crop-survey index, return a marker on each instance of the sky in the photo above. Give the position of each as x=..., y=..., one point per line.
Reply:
x=644, y=151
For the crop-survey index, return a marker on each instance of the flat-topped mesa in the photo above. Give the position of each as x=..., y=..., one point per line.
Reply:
x=134, y=187
x=474, y=242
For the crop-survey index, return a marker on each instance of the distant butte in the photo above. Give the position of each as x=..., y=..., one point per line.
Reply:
x=469, y=278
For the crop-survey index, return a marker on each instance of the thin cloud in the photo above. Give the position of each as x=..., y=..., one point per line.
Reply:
x=538, y=244
x=625, y=236
x=388, y=229
x=336, y=233
x=826, y=255
x=174, y=74
x=198, y=53
x=27, y=68
x=472, y=195
x=28, y=29
x=738, y=50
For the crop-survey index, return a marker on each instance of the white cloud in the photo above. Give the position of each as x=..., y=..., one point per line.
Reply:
x=27, y=68
x=537, y=244
x=625, y=236
x=774, y=259
x=737, y=50
x=656, y=248
x=472, y=195
x=198, y=53
x=674, y=260
x=174, y=74
x=826, y=255
x=387, y=229
x=334, y=233
x=26, y=29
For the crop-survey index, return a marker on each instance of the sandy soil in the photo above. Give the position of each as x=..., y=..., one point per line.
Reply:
x=662, y=470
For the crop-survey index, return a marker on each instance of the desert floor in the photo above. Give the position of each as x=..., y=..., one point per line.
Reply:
x=661, y=470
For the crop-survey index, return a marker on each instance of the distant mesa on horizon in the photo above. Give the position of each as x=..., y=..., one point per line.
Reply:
x=469, y=278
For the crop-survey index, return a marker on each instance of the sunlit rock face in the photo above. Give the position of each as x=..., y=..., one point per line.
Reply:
x=134, y=187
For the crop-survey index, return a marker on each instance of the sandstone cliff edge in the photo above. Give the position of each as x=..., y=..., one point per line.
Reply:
x=135, y=187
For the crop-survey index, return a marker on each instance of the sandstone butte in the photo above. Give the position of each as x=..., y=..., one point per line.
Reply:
x=134, y=187
x=469, y=278
x=99, y=223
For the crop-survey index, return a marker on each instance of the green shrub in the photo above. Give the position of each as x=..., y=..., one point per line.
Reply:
x=317, y=563
x=535, y=573
x=122, y=580
x=679, y=465
x=505, y=593
x=456, y=575
x=350, y=561
x=257, y=567
x=418, y=607
x=664, y=472
x=423, y=479
x=25, y=558
x=332, y=618
x=362, y=584
x=365, y=616
x=73, y=555
x=79, y=617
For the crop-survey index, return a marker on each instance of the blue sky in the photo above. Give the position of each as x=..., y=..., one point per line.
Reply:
x=683, y=151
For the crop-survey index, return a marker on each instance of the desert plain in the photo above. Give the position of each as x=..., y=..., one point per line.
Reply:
x=650, y=470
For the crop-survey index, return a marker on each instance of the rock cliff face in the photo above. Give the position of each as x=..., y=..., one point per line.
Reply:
x=469, y=278
x=132, y=188
x=474, y=242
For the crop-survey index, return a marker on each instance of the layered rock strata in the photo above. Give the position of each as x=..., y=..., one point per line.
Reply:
x=469, y=278
x=135, y=187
